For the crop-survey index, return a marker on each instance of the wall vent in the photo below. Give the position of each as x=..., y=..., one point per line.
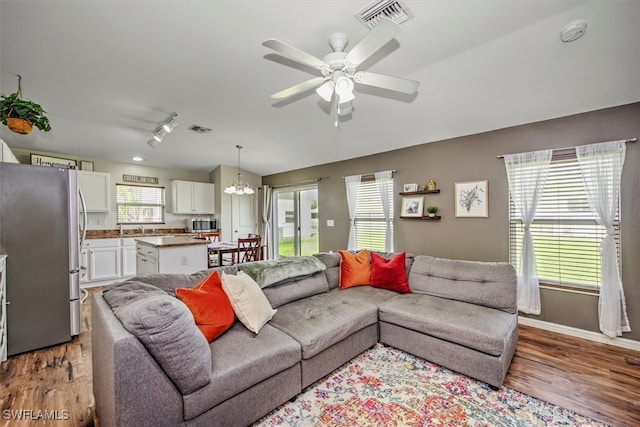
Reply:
x=396, y=10
x=199, y=129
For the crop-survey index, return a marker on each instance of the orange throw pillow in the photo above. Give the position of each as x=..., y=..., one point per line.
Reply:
x=209, y=305
x=389, y=274
x=355, y=270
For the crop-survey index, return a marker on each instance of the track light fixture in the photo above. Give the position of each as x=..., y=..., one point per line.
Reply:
x=165, y=127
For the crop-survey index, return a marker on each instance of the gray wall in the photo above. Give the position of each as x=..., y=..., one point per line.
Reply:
x=486, y=239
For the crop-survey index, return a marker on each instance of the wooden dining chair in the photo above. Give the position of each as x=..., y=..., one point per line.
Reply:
x=249, y=249
x=212, y=257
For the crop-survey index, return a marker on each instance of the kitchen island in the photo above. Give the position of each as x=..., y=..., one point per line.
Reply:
x=170, y=254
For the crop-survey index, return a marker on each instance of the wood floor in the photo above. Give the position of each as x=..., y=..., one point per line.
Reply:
x=597, y=380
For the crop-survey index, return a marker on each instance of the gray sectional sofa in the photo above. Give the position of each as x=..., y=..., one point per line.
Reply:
x=460, y=314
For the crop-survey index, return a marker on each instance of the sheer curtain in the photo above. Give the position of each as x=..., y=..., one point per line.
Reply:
x=267, y=209
x=601, y=166
x=353, y=184
x=527, y=175
x=384, y=180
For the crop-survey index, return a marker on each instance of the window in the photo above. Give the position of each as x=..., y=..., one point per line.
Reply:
x=138, y=204
x=370, y=223
x=565, y=233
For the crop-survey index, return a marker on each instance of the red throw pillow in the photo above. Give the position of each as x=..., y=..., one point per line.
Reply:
x=209, y=305
x=355, y=270
x=389, y=273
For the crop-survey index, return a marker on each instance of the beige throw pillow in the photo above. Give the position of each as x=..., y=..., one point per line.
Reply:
x=248, y=301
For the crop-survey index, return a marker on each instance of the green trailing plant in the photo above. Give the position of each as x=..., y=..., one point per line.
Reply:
x=11, y=106
x=432, y=209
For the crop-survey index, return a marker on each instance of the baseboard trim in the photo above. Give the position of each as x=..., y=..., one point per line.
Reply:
x=580, y=333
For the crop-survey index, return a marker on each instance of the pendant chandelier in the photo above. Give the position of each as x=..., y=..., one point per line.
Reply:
x=239, y=186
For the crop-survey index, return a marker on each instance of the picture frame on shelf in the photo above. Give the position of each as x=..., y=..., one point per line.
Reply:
x=472, y=199
x=412, y=207
x=86, y=165
x=408, y=188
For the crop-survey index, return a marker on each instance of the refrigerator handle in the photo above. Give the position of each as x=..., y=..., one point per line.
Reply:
x=83, y=234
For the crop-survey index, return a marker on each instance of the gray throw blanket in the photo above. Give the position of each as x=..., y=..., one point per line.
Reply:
x=268, y=273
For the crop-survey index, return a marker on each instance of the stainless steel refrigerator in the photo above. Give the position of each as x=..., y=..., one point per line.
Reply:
x=39, y=234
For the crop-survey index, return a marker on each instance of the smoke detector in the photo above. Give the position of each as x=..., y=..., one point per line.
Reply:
x=573, y=31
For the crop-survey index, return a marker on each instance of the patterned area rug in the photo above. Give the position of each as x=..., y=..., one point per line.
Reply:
x=388, y=387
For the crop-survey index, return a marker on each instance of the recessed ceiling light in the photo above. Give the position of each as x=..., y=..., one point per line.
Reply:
x=137, y=159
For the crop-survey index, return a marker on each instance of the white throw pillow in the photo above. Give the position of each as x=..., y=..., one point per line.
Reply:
x=248, y=301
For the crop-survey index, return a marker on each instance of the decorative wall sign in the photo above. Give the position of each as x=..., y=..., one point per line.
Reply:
x=472, y=199
x=141, y=179
x=40, y=160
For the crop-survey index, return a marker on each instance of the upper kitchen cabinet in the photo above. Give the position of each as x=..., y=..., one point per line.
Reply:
x=192, y=197
x=95, y=188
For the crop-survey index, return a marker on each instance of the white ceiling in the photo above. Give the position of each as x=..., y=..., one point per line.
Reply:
x=108, y=71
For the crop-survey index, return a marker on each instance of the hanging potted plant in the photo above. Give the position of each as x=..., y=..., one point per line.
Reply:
x=20, y=115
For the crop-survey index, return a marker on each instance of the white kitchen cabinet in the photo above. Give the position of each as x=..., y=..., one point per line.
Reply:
x=191, y=197
x=102, y=259
x=96, y=190
x=128, y=255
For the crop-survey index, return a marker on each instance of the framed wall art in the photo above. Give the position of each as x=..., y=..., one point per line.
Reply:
x=408, y=188
x=412, y=207
x=472, y=199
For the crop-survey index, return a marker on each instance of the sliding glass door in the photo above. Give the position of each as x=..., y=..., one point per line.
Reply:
x=295, y=214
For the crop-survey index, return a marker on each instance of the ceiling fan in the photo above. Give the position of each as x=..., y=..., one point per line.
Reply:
x=339, y=69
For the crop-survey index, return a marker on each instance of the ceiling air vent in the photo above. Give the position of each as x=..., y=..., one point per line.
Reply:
x=395, y=10
x=199, y=129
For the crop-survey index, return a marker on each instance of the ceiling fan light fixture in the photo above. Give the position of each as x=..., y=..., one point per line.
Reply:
x=326, y=90
x=344, y=89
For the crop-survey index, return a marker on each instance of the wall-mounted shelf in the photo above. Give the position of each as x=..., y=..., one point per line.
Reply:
x=412, y=193
x=429, y=218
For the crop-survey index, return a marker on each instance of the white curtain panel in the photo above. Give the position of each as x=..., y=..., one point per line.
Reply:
x=383, y=179
x=353, y=184
x=527, y=174
x=267, y=209
x=601, y=166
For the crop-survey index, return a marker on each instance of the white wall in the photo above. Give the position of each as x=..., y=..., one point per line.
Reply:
x=107, y=221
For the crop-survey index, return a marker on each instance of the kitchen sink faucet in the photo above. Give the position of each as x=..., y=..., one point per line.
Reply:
x=141, y=227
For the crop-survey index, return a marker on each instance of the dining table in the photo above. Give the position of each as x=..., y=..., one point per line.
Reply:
x=221, y=248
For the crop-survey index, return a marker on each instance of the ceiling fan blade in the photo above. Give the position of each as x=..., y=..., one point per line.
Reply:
x=300, y=87
x=294, y=53
x=379, y=35
x=386, y=82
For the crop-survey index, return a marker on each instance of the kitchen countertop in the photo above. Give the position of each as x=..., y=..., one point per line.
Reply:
x=110, y=234
x=163, y=242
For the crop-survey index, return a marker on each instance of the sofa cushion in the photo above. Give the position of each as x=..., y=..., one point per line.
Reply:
x=239, y=360
x=169, y=282
x=209, y=305
x=296, y=289
x=248, y=300
x=492, y=284
x=355, y=270
x=481, y=328
x=390, y=273
x=375, y=296
x=166, y=328
x=332, y=261
x=268, y=273
x=322, y=320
